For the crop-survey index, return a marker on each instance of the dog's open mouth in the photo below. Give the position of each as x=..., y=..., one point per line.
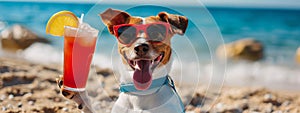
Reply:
x=143, y=68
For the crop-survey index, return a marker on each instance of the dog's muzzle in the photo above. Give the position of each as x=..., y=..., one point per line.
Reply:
x=141, y=49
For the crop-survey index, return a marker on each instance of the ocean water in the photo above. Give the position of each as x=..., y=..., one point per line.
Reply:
x=278, y=30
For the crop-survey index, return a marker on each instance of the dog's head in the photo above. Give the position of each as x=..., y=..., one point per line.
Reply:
x=144, y=43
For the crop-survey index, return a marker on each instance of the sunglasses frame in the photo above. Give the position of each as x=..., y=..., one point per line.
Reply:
x=141, y=27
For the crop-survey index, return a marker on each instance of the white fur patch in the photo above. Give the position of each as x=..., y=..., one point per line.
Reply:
x=143, y=19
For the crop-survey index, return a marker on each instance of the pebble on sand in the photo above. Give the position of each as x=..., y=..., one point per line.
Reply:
x=11, y=96
x=2, y=97
x=30, y=102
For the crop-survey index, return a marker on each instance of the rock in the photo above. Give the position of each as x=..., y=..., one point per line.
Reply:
x=219, y=107
x=103, y=71
x=297, y=57
x=20, y=104
x=18, y=38
x=197, y=99
x=10, y=96
x=2, y=97
x=4, y=69
x=286, y=103
x=27, y=95
x=244, y=49
x=65, y=109
x=244, y=104
x=67, y=102
x=9, y=106
x=269, y=98
x=30, y=102
x=268, y=108
x=254, y=109
x=3, y=108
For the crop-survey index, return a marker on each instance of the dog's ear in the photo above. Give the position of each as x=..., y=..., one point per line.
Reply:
x=179, y=23
x=112, y=17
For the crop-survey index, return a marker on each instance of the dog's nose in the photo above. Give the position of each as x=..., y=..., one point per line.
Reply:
x=141, y=49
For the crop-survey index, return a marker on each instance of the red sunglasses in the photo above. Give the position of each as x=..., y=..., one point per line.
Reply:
x=128, y=33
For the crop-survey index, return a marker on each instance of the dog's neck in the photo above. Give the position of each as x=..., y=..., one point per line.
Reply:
x=143, y=20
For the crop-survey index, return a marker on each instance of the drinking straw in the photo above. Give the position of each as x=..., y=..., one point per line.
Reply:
x=81, y=18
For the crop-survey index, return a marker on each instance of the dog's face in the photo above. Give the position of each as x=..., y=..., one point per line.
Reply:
x=144, y=43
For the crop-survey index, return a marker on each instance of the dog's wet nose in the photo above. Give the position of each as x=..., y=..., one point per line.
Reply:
x=141, y=49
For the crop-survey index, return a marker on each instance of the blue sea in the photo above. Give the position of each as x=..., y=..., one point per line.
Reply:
x=277, y=29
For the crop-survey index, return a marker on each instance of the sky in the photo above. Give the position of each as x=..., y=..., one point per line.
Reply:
x=289, y=4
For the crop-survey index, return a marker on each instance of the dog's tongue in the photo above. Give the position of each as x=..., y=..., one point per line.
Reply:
x=142, y=78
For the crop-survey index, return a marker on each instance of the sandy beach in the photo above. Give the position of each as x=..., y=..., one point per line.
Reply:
x=31, y=88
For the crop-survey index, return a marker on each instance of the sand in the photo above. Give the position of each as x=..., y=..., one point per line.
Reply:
x=31, y=88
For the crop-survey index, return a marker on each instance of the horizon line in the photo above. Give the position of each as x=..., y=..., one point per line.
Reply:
x=206, y=4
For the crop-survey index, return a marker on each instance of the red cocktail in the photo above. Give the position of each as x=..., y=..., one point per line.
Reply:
x=79, y=46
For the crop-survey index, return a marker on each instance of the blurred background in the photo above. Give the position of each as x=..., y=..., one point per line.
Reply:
x=261, y=38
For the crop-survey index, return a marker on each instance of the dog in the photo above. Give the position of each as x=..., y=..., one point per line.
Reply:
x=144, y=47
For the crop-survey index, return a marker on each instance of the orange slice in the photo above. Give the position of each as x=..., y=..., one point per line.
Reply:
x=56, y=23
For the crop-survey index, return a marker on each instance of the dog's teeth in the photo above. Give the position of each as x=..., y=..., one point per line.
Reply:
x=157, y=62
x=133, y=63
x=137, y=67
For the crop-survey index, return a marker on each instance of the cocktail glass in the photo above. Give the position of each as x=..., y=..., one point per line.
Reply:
x=79, y=47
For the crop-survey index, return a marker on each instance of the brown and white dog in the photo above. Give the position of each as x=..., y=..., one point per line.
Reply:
x=144, y=44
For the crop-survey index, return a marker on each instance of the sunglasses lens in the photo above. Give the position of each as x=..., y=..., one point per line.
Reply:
x=127, y=34
x=157, y=32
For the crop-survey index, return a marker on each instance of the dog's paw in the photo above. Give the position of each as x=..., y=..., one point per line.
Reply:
x=81, y=98
x=66, y=93
x=59, y=81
